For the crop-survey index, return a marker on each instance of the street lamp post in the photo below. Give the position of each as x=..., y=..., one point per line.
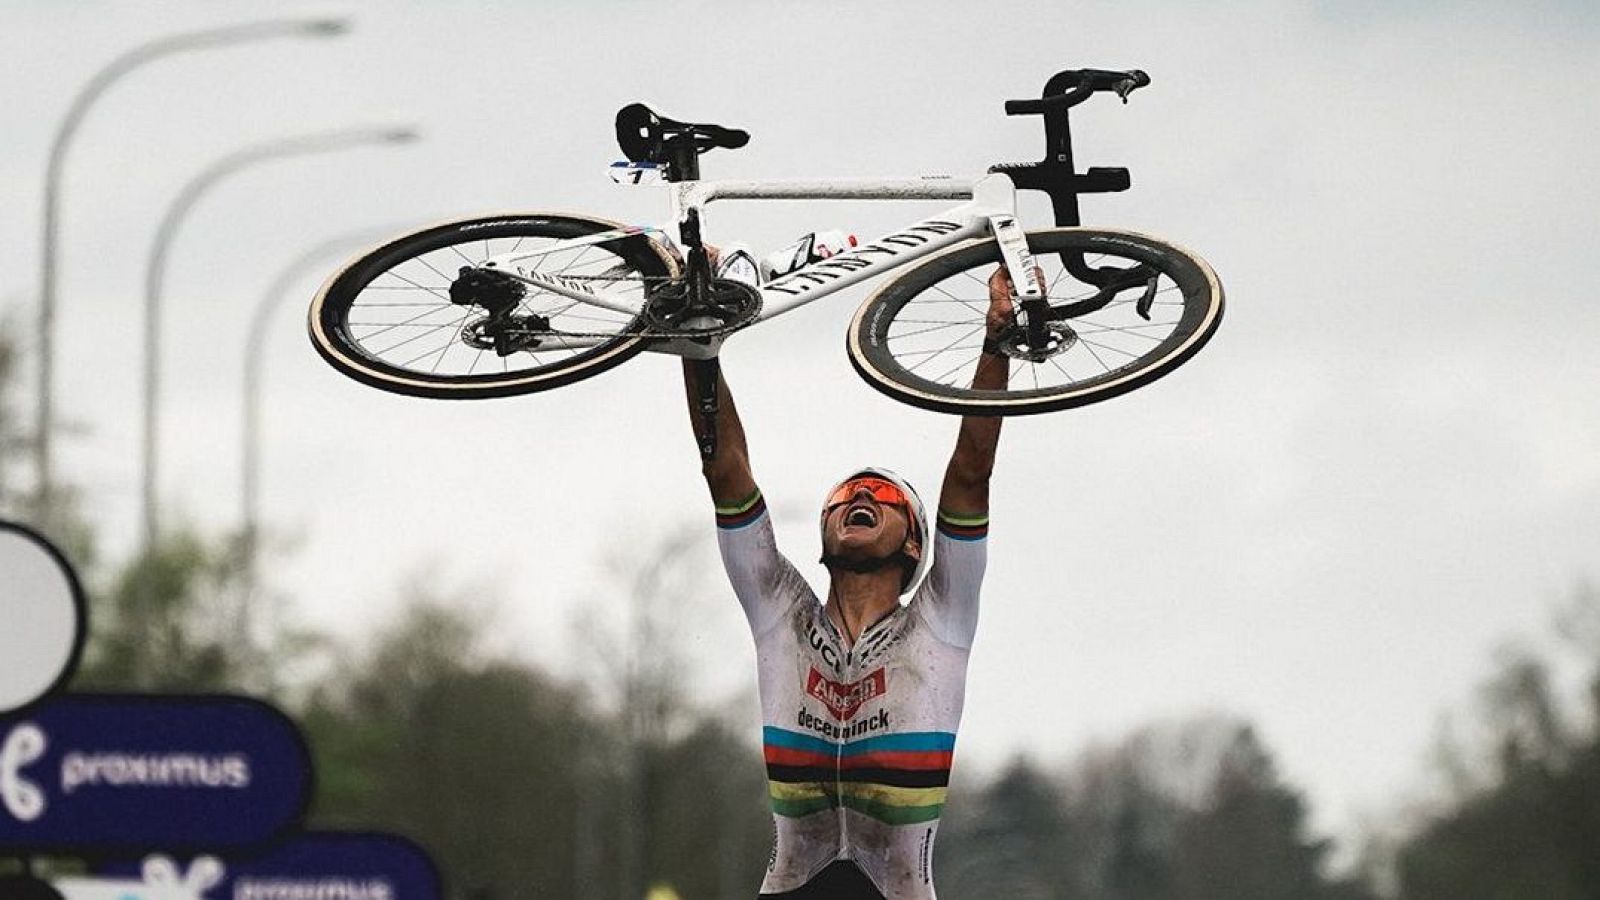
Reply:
x=156, y=270
x=96, y=86
x=250, y=432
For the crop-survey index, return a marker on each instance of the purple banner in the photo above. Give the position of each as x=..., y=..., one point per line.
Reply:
x=314, y=865
x=109, y=772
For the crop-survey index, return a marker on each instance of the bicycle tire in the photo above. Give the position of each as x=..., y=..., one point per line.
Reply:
x=413, y=267
x=889, y=339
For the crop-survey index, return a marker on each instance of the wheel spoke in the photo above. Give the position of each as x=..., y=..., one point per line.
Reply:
x=1108, y=347
x=577, y=259
x=424, y=260
x=390, y=312
x=958, y=367
x=442, y=351
x=949, y=345
x=907, y=334
x=429, y=352
x=421, y=287
x=904, y=353
x=968, y=304
x=910, y=354
x=367, y=337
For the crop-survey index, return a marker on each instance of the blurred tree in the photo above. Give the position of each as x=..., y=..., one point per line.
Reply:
x=472, y=757
x=13, y=437
x=710, y=827
x=1010, y=838
x=520, y=784
x=1190, y=811
x=160, y=623
x=166, y=624
x=1248, y=840
x=637, y=635
x=63, y=522
x=1531, y=829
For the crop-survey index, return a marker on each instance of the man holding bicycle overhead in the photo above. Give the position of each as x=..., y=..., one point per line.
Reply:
x=861, y=695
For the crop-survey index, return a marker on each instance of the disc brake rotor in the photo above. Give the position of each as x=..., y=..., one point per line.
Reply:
x=505, y=335
x=1013, y=342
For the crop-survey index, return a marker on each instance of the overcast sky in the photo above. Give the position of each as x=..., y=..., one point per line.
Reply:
x=1384, y=464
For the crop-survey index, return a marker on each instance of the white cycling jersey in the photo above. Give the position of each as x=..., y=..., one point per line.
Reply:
x=858, y=739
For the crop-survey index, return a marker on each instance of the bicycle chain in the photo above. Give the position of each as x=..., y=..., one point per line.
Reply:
x=647, y=332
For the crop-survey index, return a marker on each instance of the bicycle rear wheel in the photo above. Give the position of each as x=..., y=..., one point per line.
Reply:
x=387, y=319
x=918, y=338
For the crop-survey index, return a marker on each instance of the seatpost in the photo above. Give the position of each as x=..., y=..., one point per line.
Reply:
x=683, y=164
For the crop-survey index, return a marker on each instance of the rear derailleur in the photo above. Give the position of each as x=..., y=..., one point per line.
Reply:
x=503, y=330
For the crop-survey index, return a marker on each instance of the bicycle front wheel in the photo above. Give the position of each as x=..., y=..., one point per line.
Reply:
x=919, y=337
x=387, y=318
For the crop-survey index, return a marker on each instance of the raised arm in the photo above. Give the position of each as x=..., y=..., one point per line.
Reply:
x=765, y=584
x=727, y=470
x=965, y=492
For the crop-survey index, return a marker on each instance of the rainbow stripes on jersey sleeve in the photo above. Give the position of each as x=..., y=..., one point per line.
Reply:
x=734, y=516
x=898, y=779
x=963, y=528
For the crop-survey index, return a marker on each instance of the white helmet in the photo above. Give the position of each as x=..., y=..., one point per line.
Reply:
x=917, y=514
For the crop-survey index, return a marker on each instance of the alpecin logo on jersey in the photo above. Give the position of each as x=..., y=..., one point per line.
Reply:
x=845, y=700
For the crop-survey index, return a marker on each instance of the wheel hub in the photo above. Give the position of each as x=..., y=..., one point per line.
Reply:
x=1059, y=338
x=504, y=334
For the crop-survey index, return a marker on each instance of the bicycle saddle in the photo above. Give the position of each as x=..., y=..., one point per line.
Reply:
x=645, y=136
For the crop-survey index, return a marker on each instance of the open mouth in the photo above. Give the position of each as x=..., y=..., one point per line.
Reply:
x=860, y=515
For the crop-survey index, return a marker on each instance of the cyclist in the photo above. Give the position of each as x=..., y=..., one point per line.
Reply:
x=861, y=695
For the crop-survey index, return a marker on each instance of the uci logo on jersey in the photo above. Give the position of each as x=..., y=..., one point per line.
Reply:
x=22, y=798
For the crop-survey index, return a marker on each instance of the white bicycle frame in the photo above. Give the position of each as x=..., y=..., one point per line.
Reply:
x=990, y=210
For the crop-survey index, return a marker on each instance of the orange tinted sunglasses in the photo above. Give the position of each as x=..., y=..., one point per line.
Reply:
x=882, y=491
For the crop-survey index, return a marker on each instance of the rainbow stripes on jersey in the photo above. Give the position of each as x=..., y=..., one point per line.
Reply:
x=738, y=515
x=963, y=528
x=898, y=779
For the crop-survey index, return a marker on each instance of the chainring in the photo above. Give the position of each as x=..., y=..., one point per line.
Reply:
x=738, y=304
x=670, y=312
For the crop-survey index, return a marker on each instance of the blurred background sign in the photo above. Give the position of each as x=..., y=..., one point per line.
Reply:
x=350, y=865
x=84, y=888
x=134, y=773
x=42, y=608
x=156, y=878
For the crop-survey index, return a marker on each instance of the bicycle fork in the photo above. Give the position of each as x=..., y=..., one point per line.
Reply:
x=1026, y=282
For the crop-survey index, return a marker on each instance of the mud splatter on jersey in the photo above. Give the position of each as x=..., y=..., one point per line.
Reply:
x=858, y=739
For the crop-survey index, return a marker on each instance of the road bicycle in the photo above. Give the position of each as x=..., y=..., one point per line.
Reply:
x=499, y=305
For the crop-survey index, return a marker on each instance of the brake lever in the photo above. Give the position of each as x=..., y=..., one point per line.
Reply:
x=1147, y=300
x=1136, y=79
